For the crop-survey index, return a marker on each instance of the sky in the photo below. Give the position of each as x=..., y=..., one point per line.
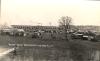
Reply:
x=48, y=12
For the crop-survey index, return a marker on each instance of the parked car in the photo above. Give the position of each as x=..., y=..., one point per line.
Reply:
x=88, y=35
x=96, y=38
x=77, y=35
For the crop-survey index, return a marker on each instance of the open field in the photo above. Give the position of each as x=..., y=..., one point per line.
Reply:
x=6, y=40
x=61, y=50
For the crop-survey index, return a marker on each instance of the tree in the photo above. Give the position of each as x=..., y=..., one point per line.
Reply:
x=65, y=23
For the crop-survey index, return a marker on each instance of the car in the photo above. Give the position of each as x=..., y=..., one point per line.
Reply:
x=77, y=35
x=88, y=36
x=96, y=38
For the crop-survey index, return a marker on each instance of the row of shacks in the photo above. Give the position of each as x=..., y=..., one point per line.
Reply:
x=25, y=30
x=54, y=29
x=44, y=31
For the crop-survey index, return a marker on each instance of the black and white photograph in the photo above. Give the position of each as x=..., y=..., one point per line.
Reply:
x=49, y=30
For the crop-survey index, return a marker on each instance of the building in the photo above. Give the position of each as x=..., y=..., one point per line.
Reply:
x=89, y=28
x=29, y=28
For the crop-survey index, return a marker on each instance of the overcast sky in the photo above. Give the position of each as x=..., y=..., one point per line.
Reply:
x=32, y=12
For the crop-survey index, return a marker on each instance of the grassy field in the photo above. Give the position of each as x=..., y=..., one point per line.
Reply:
x=60, y=47
x=5, y=40
x=59, y=43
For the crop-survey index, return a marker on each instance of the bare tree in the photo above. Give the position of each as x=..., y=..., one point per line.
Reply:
x=65, y=23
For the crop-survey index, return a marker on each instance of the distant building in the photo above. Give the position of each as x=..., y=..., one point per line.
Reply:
x=89, y=28
x=29, y=28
